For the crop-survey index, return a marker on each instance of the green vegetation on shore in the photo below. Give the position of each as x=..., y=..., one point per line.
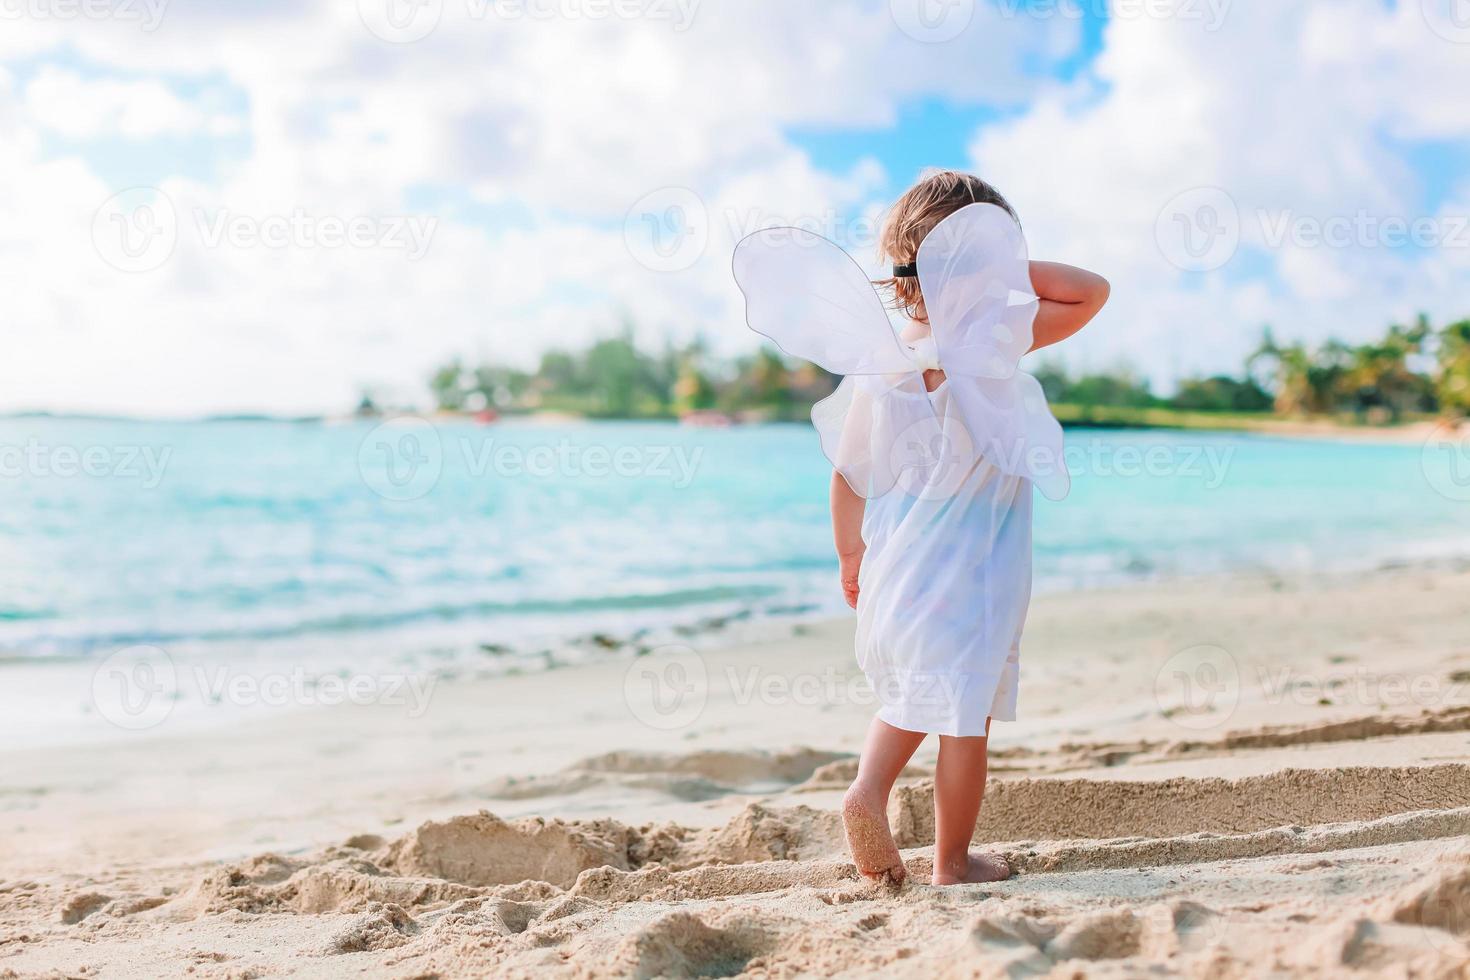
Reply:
x=1409, y=373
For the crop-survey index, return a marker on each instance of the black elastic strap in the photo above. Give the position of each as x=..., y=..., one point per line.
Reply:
x=905, y=271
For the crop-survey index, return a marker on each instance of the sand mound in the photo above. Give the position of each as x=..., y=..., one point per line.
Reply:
x=1058, y=809
x=691, y=776
x=1160, y=852
x=78, y=907
x=380, y=927
x=472, y=857
x=1071, y=756
x=737, y=768
x=1442, y=903
x=762, y=833
x=1453, y=719
x=681, y=944
x=485, y=850
x=482, y=849
x=313, y=887
x=839, y=774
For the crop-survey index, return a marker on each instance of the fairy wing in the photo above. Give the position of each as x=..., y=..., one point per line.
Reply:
x=976, y=278
x=810, y=297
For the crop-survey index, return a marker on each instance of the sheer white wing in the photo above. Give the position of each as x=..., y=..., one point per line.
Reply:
x=1011, y=426
x=810, y=297
x=868, y=430
x=976, y=278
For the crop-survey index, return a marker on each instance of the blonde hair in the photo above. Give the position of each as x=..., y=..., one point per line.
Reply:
x=937, y=195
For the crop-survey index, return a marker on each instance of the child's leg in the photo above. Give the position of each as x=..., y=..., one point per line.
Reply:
x=959, y=787
x=865, y=808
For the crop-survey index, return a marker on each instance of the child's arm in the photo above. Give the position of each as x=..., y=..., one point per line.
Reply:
x=1069, y=298
x=847, y=534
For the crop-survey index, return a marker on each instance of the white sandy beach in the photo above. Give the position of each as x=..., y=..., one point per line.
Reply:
x=1216, y=778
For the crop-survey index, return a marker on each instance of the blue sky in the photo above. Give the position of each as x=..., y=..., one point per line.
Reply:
x=935, y=131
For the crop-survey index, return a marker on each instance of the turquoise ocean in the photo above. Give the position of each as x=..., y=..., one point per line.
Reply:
x=451, y=543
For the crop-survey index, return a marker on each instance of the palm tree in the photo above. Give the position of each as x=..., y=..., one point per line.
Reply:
x=1284, y=370
x=1379, y=378
x=1305, y=383
x=1452, y=377
x=447, y=384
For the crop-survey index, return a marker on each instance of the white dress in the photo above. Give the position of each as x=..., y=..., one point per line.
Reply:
x=946, y=578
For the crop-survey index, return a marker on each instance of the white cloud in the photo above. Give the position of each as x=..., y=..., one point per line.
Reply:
x=1288, y=109
x=70, y=106
x=559, y=126
x=566, y=121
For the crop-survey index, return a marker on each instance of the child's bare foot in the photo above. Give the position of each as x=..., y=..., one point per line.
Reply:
x=868, y=837
x=973, y=869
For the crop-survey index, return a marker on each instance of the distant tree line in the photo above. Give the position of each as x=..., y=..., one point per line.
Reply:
x=1410, y=371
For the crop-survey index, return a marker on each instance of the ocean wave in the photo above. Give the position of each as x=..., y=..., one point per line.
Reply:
x=365, y=622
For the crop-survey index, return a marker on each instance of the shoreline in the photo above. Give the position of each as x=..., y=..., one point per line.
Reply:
x=273, y=686
x=1073, y=417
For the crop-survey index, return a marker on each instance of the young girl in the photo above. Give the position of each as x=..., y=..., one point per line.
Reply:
x=937, y=439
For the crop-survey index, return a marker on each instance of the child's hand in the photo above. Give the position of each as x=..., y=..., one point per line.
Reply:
x=848, y=566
